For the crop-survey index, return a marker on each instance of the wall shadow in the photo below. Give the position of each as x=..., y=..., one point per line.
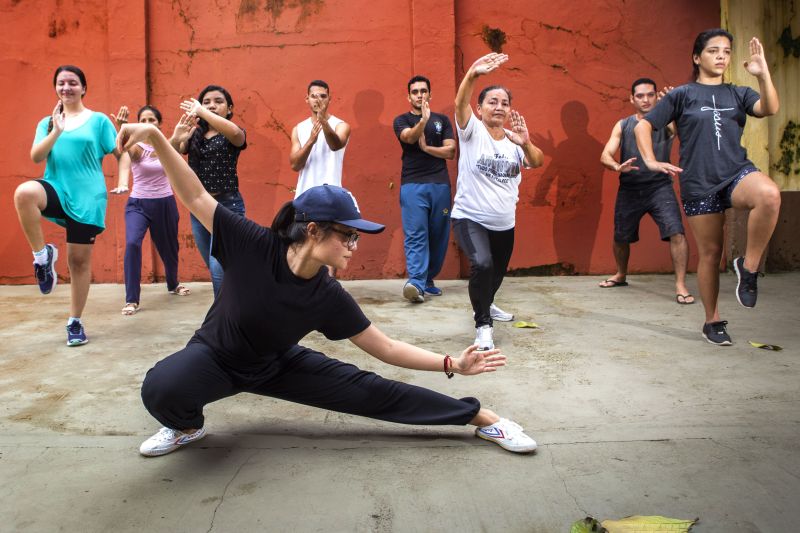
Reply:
x=578, y=176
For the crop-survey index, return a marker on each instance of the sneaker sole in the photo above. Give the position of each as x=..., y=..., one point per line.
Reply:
x=505, y=446
x=723, y=343
x=165, y=451
x=738, y=284
x=79, y=343
x=55, y=276
x=504, y=318
x=411, y=293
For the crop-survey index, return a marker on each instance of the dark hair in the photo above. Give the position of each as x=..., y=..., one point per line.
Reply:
x=485, y=90
x=202, y=125
x=68, y=68
x=701, y=42
x=292, y=232
x=155, y=111
x=417, y=79
x=318, y=83
x=641, y=81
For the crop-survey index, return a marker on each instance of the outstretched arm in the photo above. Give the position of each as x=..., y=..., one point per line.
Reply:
x=398, y=353
x=757, y=66
x=481, y=66
x=184, y=181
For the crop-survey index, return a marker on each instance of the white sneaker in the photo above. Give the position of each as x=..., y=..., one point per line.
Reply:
x=168, y=440
x=508, y=435
x=498, y=314
x=412, y=293
x=484, y=338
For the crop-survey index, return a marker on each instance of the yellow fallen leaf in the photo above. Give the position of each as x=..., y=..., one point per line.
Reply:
x=773, y=347
x=523, y=324
x=646, y=524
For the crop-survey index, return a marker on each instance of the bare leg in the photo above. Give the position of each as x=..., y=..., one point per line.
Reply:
x=707, y=231
x=79, y=258
x=485, y=417
x=30, y=200
x=622, y=252
x=679, y=251
x=758, y=193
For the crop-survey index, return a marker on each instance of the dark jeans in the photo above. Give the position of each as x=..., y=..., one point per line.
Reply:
x=489, y=253
x=177, y=388
x=160, y=216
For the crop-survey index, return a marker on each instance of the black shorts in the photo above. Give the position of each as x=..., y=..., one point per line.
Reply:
x=77, y=232
x=660, y=202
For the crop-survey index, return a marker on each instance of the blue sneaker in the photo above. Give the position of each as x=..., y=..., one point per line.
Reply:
x=46, y=273
x=75, y=334
x=433, y=290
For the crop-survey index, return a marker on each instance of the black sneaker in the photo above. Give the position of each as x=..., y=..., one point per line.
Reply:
x=746, y=287
x=715, y=333
x=46, y=273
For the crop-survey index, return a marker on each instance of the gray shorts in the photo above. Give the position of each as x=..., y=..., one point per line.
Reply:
x=659, y=202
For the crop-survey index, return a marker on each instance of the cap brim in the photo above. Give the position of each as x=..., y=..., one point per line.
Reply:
x=363, y=225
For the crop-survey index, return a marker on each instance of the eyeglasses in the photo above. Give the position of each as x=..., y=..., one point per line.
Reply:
x=352, y=237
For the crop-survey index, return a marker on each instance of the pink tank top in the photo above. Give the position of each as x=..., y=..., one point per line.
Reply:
x=149, y=179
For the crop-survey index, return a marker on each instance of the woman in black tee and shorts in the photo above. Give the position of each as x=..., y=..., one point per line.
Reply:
x=277, y=290
x=715, y=173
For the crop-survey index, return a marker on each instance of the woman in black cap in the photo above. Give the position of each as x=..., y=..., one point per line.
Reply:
x=277, y=290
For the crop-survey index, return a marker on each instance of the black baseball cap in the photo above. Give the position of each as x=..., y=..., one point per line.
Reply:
x=329, y=203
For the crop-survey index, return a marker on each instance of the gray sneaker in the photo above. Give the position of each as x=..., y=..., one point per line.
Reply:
x=715, y=333
x=412, y=293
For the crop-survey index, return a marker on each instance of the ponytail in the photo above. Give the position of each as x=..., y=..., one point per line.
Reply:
x=291, y=231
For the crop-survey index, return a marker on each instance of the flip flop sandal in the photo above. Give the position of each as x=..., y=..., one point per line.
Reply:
x=130, y=309
x=180, y=290
x=613, y=283
x=684, y=296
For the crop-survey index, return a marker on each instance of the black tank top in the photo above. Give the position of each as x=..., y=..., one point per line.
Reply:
x=644, y=177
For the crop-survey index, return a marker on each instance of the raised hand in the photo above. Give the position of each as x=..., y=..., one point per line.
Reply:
x=473, y=362
x=627, y=166
x=322, y=110
x=191, y=106
x=489, y=62
x=519, y=131
x=757, y=64
x=130, y=134
x=59, y=118
x=426, y=111
x=663, y=92
x=121, y=117
x=185, y=127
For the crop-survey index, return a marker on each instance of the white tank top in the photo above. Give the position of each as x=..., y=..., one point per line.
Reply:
x=323, y=164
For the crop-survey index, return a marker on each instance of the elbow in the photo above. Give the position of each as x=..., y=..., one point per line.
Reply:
x=296, y=167
x=450, y=155
x=35, y=157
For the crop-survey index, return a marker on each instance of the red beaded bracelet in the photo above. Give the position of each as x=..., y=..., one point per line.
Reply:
x=448, y=364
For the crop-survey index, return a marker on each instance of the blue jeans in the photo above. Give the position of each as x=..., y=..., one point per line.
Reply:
x=425, y=209
x=202, y=238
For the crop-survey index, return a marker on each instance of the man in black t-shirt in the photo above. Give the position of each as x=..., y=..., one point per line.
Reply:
x=427, y=140
x=642, y=191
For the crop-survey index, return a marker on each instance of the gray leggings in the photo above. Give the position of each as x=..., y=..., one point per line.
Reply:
x=489, y=253
x=177, y=388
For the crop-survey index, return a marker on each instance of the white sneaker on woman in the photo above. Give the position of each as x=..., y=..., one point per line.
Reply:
x=508, y=435
x=498, y=314
x=168, y=440
x=484, y=338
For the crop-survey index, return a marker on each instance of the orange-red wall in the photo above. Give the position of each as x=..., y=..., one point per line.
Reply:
x=570, y=69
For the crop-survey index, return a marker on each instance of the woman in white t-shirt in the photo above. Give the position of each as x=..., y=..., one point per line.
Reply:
x=489, y=163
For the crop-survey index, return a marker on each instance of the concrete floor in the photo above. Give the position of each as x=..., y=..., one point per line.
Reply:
x=634, y=412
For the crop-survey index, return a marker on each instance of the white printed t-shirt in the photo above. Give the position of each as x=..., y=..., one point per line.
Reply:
x=323, y=164
x=487, y=189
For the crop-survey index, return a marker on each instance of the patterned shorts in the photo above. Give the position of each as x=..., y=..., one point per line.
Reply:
x=716, y=202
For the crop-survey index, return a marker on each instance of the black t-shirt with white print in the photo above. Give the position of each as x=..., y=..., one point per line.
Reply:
x=710, y=120
x=263, y=309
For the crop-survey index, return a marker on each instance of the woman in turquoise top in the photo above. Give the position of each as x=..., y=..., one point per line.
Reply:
x=73, y=141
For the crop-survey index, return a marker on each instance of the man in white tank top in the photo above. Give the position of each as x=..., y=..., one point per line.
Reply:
x=318, y=143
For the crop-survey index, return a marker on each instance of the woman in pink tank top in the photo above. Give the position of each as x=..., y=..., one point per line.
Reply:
x=151, y=206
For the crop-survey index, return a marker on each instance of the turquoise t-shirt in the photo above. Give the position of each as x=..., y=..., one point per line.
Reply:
x=74, y=168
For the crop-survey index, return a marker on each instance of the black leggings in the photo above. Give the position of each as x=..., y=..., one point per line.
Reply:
x=177, y=388
x=489, y=253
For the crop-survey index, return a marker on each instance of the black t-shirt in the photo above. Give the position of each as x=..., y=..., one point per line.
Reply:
x=710, y=120
x=264, y=309
x=419, y=167
x=215, y=163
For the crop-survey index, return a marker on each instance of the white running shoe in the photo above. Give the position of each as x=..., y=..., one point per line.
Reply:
x=168, y=440
x=412, y=293
x=508, y=435
x=484, y=338
x=498, y=314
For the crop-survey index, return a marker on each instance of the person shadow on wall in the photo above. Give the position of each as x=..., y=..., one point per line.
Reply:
x=574, y=164
x=371, y=163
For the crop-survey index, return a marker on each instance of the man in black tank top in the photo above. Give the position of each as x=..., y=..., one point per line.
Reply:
x=642, y=191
